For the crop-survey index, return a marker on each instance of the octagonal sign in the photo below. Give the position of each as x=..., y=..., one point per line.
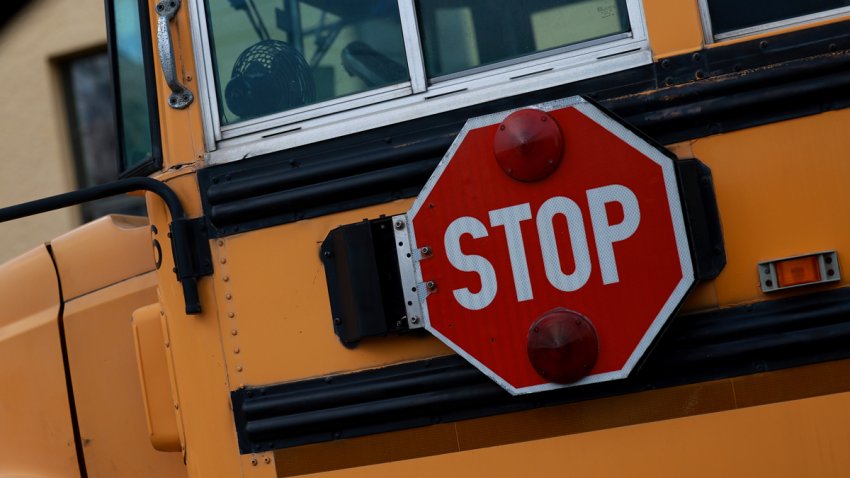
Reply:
x=567, y=236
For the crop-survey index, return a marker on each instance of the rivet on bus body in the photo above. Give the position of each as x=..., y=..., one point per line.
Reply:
x=528, y=146
x=563, y=346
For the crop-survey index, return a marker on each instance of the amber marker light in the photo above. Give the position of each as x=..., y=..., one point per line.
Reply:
x=563, y=346
x=779, y=274
x=804, y=270
x=528, y=145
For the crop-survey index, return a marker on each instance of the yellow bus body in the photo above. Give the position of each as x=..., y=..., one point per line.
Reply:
x=780, y=190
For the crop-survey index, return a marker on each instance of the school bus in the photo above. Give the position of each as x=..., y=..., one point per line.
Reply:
x=215, y=338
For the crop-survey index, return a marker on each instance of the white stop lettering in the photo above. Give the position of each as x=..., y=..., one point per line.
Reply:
x=605, y=235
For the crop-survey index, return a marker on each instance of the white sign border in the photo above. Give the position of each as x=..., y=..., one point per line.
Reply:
x=676, y=213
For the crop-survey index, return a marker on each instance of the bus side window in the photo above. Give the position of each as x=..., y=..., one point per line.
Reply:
x=288, y=63
x=270, y=59
x=136, y=114
x=731, y=18
x=464, y=34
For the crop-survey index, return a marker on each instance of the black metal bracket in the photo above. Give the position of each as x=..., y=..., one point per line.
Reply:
x=189, y=244
x=364, y=282
x=699, y=203
x=189, y=236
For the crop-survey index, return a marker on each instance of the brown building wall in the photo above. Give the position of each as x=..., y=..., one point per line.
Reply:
x=35, y=150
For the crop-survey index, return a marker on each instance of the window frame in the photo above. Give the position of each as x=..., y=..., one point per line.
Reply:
x=412, y=99
x=710, y=37
x=153, y=164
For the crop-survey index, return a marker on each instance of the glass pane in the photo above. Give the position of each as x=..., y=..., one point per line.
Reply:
x=731, y=15
x=135, y=117
x=274, y=55
x=92, y=120
x=463, y=34
x=93, y=132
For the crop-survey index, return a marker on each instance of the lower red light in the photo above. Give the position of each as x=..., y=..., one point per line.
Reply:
x=528, y=145
x=563, y=346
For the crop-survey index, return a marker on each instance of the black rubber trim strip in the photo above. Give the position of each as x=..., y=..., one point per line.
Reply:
x=291, y=201
x=699, y=347
x=734, y=101
x=683, y=97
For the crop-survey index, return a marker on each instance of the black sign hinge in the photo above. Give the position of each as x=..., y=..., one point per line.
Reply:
x=190, y=242
x=699, y=203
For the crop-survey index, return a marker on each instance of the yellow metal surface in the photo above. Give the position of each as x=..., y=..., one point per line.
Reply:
x=195, y=358
x=674, y=26
x=36, y=435
x=781, y=189
x=154, y=378
x=101, y=253
x=277, y=326
x=110, y=407
x=807, y=437
x=267, y=319
x=195, y=361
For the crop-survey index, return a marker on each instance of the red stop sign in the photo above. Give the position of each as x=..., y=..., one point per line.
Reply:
x=601, y=234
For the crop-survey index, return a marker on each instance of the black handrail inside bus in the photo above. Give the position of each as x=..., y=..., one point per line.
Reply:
x=179, y=230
